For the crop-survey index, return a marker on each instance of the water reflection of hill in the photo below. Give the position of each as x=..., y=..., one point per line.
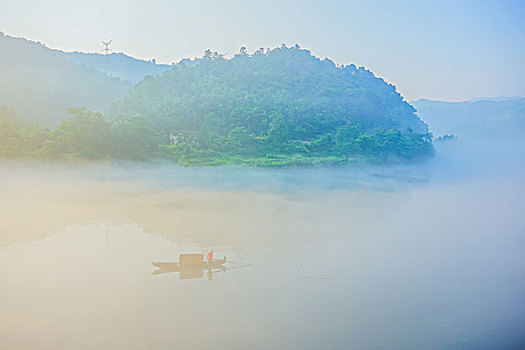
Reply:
x=39, y=201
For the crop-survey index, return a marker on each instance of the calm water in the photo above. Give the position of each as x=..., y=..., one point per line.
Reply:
x=393, y=258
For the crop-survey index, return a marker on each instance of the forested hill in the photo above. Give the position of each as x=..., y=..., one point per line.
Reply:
x=39, y=83
x=283, y=102
x=312, y=97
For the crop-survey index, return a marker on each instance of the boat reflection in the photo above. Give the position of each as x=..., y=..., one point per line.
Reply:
x=192, y=266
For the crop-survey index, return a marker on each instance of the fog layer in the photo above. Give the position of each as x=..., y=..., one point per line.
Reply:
x=405, y=257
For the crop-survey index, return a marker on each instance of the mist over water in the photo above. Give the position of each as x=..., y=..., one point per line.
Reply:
x=420, y=256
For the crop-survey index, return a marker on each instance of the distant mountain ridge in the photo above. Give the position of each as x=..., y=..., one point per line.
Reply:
x=39, y=83
x=477, y=118
x=496, y=98
x=118, y=65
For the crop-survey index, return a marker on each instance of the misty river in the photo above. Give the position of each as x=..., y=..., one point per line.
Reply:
x=422, y=256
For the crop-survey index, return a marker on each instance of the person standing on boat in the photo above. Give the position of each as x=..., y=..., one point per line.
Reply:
x=210, y=255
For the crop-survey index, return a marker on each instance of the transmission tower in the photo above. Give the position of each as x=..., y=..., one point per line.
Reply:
x=106, y=51
x=106, y=48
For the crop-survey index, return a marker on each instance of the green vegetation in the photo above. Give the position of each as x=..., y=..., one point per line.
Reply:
x=283, y=102
x=275, y=108
x=19, y=138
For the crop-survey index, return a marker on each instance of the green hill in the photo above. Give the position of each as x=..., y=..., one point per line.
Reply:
x=283, y=102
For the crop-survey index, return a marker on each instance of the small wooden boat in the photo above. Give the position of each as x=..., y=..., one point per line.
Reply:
x=213, y=264
x=189, y=266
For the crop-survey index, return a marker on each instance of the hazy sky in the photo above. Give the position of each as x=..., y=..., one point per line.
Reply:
x=451, y=50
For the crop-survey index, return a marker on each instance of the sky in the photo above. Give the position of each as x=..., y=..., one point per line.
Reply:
x=447, y=50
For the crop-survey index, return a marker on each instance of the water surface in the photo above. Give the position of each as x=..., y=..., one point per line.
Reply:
x=409, y=257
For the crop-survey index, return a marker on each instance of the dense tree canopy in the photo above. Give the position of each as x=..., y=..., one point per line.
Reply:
x=312, y=96
x=85, y=135
x=281, y=101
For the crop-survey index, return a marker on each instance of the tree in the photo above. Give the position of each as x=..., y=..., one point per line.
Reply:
x=19, y=138
x=211, y=55
x=278, y=133
x=85, y=135
x=134, y=137
x=345, y=137
x=367, y=145
x=10, y=138
x=324, y=145
x=239, y=141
